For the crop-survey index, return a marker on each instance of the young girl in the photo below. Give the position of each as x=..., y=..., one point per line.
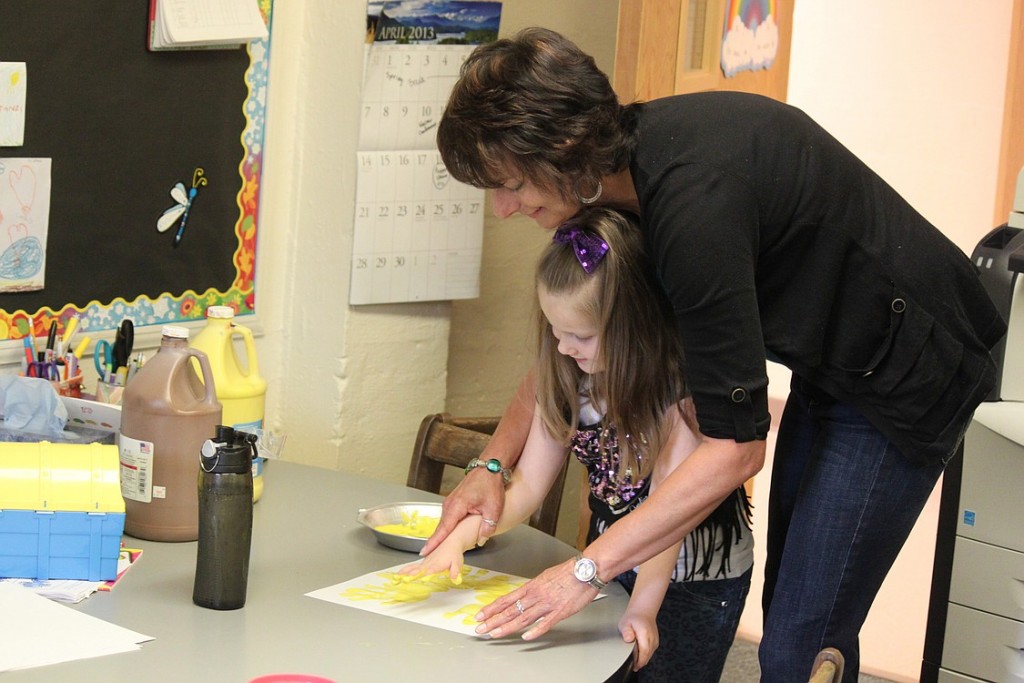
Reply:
x=610, y=390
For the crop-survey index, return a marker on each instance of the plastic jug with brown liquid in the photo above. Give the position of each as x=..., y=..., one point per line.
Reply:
x=166, y=415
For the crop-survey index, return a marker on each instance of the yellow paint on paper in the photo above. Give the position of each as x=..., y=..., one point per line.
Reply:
x=485, y=585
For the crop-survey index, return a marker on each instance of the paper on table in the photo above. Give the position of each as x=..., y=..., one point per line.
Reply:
x=432, y=601
x=36, y=632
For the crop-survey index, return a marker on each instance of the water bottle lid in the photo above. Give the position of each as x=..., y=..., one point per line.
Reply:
x=220, y=312
x=175, y=331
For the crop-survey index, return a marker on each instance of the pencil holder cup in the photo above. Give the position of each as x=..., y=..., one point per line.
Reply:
x=71, y=386
x=109, y=392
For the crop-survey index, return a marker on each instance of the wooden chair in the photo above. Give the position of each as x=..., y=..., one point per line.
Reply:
x=828, y=667
x=444, y=440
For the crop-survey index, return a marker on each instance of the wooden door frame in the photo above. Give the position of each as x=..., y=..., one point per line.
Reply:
x=1011, y=151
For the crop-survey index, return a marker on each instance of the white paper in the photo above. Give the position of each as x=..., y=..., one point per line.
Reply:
x=24, y=223
x=13, y=87
x=37, y=632
x=443, y=604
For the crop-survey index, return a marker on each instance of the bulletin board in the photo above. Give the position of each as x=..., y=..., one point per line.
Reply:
x=121, y=126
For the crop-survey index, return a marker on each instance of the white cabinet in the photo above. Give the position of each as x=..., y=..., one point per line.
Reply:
x=984, y=631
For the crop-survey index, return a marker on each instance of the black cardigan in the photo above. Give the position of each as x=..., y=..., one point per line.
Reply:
x=772, y=239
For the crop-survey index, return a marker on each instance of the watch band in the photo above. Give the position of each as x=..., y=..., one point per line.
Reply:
x=492, y=465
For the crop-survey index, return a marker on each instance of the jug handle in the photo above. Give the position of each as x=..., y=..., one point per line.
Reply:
x=252, y=366
x=208, y=382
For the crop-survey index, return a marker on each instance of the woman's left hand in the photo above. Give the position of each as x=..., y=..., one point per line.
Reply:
x=546, y=600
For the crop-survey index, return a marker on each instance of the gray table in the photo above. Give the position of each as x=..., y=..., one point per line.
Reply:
x=305, y=537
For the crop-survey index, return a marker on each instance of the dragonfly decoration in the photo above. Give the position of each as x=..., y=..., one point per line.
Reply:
x=180, y=210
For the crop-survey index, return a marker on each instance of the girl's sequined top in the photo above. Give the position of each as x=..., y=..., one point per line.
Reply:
x=724, y=536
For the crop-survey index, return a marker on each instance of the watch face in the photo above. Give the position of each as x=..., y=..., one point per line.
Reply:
x=585, y=569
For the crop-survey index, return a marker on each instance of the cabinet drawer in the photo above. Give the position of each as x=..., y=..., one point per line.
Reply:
x=983, y=645
x=990, y=506
x=988, y=578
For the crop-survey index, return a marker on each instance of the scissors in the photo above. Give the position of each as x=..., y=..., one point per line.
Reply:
x=103, y=357
x=108, y=356
x=44, y=370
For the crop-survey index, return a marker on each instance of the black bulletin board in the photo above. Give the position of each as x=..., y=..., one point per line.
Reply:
x=122, y=125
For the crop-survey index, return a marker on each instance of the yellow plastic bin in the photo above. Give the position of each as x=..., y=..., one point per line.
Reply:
x=61, y=511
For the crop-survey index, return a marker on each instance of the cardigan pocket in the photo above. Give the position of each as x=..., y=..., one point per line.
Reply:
x=915, y=368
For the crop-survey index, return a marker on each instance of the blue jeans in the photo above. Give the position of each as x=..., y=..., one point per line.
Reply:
x=843, y=501
x=696, y=626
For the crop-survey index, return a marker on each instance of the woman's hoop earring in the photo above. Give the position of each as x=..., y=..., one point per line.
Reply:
x=588, y=200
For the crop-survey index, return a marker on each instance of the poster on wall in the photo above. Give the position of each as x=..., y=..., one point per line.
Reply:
x=418, y=232
x=750, y=37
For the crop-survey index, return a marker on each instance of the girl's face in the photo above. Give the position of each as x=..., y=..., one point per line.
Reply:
x=576, y=333
x=548, y=208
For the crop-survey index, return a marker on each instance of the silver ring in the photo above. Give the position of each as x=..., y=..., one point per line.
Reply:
x=490, y=521
x=519, y=606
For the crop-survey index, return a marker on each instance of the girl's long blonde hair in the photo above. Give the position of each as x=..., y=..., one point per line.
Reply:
x=642, y=375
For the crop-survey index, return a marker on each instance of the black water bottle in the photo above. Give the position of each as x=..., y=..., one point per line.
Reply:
x=225, y=519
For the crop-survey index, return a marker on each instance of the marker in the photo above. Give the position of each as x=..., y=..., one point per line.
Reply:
x=69, y=330
x=51, y=338
x=80, y=349
x=28, y=350
x=32, y=337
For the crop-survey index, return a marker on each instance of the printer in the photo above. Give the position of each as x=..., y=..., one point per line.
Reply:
x=976, y=612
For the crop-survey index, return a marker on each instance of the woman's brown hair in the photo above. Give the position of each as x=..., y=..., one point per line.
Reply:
x=537, y=106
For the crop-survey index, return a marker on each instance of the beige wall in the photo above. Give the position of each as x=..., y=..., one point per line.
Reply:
x=348, y=386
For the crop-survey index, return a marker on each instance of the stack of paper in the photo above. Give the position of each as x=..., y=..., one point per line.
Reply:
x=36, y=632
x=185, y=24
x=64, y=590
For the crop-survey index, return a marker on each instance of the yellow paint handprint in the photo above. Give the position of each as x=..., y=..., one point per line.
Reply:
x=398, y=589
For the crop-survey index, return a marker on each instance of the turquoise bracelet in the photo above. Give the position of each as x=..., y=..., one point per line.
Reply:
x=492, y=465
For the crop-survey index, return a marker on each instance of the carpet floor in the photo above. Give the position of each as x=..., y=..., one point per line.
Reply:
x=742, y=666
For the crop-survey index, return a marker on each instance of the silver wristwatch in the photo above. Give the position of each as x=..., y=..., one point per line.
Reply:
x=585, y=570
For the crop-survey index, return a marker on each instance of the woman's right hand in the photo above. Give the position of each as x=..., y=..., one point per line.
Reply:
x=480, y=493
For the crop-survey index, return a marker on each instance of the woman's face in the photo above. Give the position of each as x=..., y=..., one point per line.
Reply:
x=546, y=207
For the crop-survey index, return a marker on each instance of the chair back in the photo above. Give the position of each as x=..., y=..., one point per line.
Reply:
x=446, y=441
x=828, y=667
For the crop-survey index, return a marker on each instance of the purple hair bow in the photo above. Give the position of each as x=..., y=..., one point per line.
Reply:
x=589, y=248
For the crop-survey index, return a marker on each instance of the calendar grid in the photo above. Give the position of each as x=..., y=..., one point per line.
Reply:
x=418, y=231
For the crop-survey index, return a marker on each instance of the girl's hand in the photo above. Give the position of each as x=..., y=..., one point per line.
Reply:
x=479, y=493
x=642, y=629
x=447, y=558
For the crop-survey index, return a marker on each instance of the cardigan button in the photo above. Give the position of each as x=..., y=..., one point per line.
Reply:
x=739, y=394
x=898, y=305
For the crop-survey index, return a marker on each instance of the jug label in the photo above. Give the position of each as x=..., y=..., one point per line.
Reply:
x=136, y=469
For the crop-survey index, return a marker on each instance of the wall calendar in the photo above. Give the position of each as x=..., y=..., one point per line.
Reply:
x=418, y=231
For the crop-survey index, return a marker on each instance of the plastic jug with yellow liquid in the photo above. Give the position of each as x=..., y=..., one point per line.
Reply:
x=240, y=388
